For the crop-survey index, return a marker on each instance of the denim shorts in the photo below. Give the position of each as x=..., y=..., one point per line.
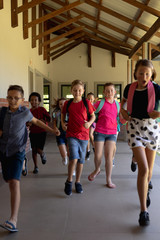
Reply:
x=100, y=137
x=77, y=149
x=61, y=139
x=12, y=166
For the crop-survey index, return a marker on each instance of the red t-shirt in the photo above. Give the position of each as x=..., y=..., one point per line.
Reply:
x=41, y=114
x=77, y=117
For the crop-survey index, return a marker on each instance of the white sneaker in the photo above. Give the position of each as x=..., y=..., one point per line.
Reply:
x=65, y=161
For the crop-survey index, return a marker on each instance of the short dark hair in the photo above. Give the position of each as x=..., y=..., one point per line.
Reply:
x=90, y=93
x=36, y=94
x=17, y=88
x=145, y=63
x=108, y=84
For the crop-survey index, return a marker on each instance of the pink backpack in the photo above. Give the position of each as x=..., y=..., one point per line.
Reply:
x=151, y=97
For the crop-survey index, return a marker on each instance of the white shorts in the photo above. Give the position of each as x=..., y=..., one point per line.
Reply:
x=143, y=133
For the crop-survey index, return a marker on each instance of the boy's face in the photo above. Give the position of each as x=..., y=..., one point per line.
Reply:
x=34, y=101
x=15, y=99
x=109, y=92
x=91, y=98
x=77, y=91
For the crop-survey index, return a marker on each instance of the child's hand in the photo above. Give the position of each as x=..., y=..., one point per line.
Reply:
x=64, y=126
x=28, y=124
x=125, y=115
x=56, y=131
x=154, y=114
x=86, y=124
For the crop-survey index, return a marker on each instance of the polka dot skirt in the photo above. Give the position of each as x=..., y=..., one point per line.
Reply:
x=143, y=133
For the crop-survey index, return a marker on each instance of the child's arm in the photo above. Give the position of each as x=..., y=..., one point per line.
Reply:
x=39, y=123
x=89, y=123
x=123, y=111
x=154, y=114
x=64, y=124
x=55, y=126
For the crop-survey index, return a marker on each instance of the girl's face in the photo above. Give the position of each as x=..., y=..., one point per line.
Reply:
x=91, y=98
x=77, y=91
x=143, y=75
x=61, y=104
x=34, y=102
x=109, y=92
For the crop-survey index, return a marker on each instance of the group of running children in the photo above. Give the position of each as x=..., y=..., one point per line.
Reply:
x=74, y=123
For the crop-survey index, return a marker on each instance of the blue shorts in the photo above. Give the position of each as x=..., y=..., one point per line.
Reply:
x=77, y=149
x=12, y=166
x=100, y=137
x=61, y=139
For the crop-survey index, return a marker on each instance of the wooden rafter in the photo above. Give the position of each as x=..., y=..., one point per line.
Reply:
x=1, y=4
x=79, y=35
x=54, y=29
x=146, y=37
x=143, y=7
x=25, y=21
x=98, y=15
x=78, y=29
x=55, y=13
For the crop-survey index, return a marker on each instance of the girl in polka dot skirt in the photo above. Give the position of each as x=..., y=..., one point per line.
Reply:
x=143, y=132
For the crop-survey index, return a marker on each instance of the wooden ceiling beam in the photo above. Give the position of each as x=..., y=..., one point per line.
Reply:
x=78, y=29
x=1, y=4
x=55, y=13
x=25, y=7
x=98, y=14
x=14, y=14
x=54, y=29
x=66, y=41
x=117, y=15
x=106, y=47
x=40, y=28
x=65, y=51
x=25, y=21
x=143, y=7
x=65, y=47
x=146, y=37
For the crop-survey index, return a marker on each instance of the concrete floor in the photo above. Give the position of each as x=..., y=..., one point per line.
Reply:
x=99, y=213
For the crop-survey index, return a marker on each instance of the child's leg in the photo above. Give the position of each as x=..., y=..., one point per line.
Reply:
x=97, y=159
x=62, y=150
x=79, y=171
x=91, y=131
x=142, y=179
x=34, y=156
x=14, y=186
x=150, y=159
x=71, y=168
x=109, y=149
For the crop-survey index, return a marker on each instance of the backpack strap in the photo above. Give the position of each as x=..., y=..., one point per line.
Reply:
x=100, y=105
x=68, y=104
x=118, y=119
x=2, y=116
x=151, y=96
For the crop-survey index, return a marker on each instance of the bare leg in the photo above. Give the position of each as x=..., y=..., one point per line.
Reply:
x=71, y=168
x=150, y=159
x=142, y=179
x=79, y=171
x=14, y=186
x=91, y=131
x=62, y=150
x=109, y=151
x=97, y=158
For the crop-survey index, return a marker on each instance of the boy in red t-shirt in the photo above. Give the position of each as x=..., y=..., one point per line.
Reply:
x=77, y=133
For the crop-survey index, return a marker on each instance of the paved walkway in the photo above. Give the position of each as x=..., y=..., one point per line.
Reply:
x=99, y=213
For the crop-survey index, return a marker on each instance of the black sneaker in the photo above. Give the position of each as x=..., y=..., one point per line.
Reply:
x=78, y=187
x=36, y=170
x=150, y=186
x=68, y=188
x=133, y=166
x=43, y=158
x=148, y=202
x=87, y=155
x=144, y=219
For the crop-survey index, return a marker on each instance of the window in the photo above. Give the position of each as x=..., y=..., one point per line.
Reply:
x=46, y=97
x=100, y=88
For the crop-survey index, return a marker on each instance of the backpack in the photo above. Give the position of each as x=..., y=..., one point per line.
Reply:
x=85, y=104
x=118, y=110
x=2, y=116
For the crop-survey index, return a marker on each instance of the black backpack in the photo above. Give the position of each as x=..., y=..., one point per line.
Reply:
x=85, y=104
x=2, y=116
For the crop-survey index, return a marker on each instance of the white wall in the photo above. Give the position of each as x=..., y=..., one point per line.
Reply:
x=16, y=55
